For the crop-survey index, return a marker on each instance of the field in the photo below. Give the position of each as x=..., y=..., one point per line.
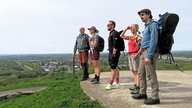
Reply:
x=63, y=88
x=22, y=71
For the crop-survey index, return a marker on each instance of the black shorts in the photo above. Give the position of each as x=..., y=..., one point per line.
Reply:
x=113, y=60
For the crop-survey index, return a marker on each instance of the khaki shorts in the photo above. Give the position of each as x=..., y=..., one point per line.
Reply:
x=133, y=63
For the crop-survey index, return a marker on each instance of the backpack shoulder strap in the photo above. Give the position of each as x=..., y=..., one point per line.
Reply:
x=86, y=36
x=137, y=38
x=149, y=25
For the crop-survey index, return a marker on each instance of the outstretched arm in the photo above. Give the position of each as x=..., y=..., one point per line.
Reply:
x=123, y=34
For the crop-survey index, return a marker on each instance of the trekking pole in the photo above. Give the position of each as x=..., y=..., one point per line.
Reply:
x=74, y=65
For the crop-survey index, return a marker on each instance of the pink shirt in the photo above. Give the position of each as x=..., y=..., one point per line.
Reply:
x=132, y=45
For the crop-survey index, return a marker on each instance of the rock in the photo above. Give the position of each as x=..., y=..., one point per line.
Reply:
x=19, y=92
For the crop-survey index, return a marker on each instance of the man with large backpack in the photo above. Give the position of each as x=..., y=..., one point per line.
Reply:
x=82, y=45
x=147, y=67
x=114, y=54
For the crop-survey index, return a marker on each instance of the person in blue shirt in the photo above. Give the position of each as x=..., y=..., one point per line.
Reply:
x=94, y=53
x=149, y=55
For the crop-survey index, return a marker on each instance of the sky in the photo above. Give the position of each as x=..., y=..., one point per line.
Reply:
x=51, y=26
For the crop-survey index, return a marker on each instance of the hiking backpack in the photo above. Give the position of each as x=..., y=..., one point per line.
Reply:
x=101, y=44
x=166, y=25
x=120, y=42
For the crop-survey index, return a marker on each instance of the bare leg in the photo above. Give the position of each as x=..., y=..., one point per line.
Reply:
x=117, y=72
x=135, y=77
x=97, y=68
x=94, y=65
x=113, y=75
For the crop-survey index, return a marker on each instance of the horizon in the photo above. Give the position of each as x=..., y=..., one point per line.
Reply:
x=25, y=54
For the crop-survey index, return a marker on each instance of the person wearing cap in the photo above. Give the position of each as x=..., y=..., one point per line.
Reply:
x=94, y=53
x=82, y=45
x=113, y=56
x=147, y=67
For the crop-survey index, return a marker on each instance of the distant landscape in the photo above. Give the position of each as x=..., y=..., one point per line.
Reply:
x=55, y=71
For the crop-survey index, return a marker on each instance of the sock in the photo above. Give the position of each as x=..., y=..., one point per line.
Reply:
x=98, y=78
x=95, y=76
x=111, y=82
x=138, y=87
x=117, y=80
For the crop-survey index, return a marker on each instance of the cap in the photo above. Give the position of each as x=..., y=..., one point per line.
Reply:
x=92, y=28
x=146, y=11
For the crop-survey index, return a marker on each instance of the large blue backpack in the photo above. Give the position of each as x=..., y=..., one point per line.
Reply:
x=167, y=24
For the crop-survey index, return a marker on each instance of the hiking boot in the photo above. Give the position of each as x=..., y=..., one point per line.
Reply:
x=136, y=91
x=151, y=101
x=109, y=86
x=84, y=79
x=117, y=85
x=95, y=82
x=133, y=88
x=139, y=96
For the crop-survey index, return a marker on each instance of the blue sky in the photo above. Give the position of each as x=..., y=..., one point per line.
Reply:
x=51, y=26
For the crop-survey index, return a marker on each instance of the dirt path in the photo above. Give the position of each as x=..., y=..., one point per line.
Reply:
x=175, y=91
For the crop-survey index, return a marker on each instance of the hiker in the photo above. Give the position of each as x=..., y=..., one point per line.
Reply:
x=94, y=53
x=82, y=45
x=147, y=66
x=134, y=51
x=114, y=55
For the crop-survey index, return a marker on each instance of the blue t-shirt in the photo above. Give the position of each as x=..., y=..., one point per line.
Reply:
x=95, y=38
x=149, y=40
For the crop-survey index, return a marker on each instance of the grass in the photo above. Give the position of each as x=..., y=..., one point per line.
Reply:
x=181, y=64
x=63, y=92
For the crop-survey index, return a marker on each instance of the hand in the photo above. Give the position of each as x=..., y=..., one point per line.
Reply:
x=90, y=39
x=73, y=54
x=134, y=56
x=128, y=27
x=147, y=61
x=114, y=55
x=114, y=59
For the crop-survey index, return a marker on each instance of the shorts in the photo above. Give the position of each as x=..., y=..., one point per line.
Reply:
x=113, y=61
x=133, y=63
x=83, y=57
x=94, y=54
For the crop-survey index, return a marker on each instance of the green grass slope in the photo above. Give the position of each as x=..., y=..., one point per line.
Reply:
x=63, y=92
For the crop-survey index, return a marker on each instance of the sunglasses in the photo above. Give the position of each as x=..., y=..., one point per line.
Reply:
x=142, y=14
x=109, y=24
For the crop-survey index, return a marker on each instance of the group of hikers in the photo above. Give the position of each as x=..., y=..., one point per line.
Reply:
x=142, y=56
